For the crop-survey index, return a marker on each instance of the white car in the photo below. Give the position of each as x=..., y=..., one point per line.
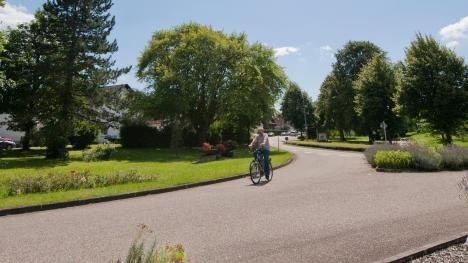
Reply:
x=271, y=134
x=6, y=143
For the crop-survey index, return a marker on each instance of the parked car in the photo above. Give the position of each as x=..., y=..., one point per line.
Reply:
x=6, y=143
x=271, y=134
x=284, y=133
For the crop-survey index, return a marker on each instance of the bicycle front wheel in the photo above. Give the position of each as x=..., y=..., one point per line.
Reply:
x=270, y=177
x=255, y=172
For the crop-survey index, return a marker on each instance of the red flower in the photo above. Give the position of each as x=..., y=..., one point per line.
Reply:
x=220, y=148
x=206, y=147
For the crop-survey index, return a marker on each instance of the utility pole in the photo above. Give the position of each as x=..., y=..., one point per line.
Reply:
x=305, y=116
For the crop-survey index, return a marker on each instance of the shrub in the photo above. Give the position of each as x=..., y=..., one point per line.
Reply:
x=140, y=135
x=220, y=148
x=101, y=152
x=138, y=253
x=370, y=152
x=84, y=133
x=54, y=182
x=424, y=158
x=393, y=159
x=454, y=157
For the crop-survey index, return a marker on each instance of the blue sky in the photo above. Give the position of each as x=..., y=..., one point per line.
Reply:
x=305, y=33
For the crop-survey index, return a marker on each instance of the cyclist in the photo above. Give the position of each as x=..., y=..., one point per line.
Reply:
x=260, y=141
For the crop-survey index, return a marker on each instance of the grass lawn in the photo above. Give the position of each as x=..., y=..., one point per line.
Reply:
x=170, y=169
x=350, y=145
x=433, y=141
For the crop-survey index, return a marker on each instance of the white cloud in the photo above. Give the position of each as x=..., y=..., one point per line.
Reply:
x=452, y=44
x=12, y=15
x=326, y=48
x=284, y=51
x=453, y=33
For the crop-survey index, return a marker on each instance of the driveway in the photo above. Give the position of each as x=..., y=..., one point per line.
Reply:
x=327, y=206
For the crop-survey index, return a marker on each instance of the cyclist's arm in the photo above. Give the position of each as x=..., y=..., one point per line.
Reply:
x=253, y=142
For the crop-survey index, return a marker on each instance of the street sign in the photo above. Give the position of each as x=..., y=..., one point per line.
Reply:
x=383, y=125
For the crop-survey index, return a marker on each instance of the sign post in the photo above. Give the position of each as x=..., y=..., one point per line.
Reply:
x=384, y=126
x=278, y=142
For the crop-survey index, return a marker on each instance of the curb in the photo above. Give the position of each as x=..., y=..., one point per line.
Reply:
x=427, y=249
x=336, y=148
x=94, y=200
x=388, y=170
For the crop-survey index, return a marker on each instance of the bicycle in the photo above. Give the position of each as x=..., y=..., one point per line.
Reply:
x=257, y=170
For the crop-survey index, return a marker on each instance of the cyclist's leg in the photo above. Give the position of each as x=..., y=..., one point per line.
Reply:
x=266, y=158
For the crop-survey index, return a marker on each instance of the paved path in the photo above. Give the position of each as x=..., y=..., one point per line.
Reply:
x=328, y=206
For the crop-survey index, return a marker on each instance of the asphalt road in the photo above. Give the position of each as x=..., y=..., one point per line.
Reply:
x=327, y=206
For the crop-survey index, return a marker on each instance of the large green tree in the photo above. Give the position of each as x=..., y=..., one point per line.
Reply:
x=3, y=107
x=23, y=95
x=349, y=62
x=326, y=111
x=78, y=58
x=198, y=76
x=434, y=87
x=297, y=107
x=375, y=90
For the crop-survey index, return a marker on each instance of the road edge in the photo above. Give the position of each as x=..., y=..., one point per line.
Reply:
x=94, y=200
x=412, y=254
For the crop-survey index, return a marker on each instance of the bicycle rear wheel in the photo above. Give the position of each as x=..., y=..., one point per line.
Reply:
x=255, y=172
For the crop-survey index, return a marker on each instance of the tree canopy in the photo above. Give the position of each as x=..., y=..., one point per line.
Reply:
x=76, y=52
x=374, y=99
x=197, y=75
x=338, y=96
x=297, y=107
x=434, y=86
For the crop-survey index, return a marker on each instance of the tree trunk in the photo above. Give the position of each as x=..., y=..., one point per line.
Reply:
x=26, y=140
x=448, y=138
x=371, y=138
x=342, y=137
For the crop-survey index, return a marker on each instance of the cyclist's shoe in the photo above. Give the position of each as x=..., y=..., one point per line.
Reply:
x=267, y=177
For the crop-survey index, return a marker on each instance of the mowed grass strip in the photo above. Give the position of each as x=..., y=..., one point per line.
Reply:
x=359, y=146
x=435, y=141
x=171, y=169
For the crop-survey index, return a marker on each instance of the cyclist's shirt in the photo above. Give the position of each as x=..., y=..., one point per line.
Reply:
x=262, y=138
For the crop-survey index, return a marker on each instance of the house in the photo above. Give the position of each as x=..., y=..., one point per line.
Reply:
x=114, y=107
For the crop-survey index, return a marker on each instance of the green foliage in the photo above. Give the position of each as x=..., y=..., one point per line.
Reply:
x=140, y=135
x=297, y=107
x=393, y=159
x=375, y=88
x=371, y=151
x=76, y=61
x=54, y=182
x=334, y=145
x=84, y=133
x=338, y=92
x=23, y=93
x=101, y=153
x=434, y=87
x=198, y=76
